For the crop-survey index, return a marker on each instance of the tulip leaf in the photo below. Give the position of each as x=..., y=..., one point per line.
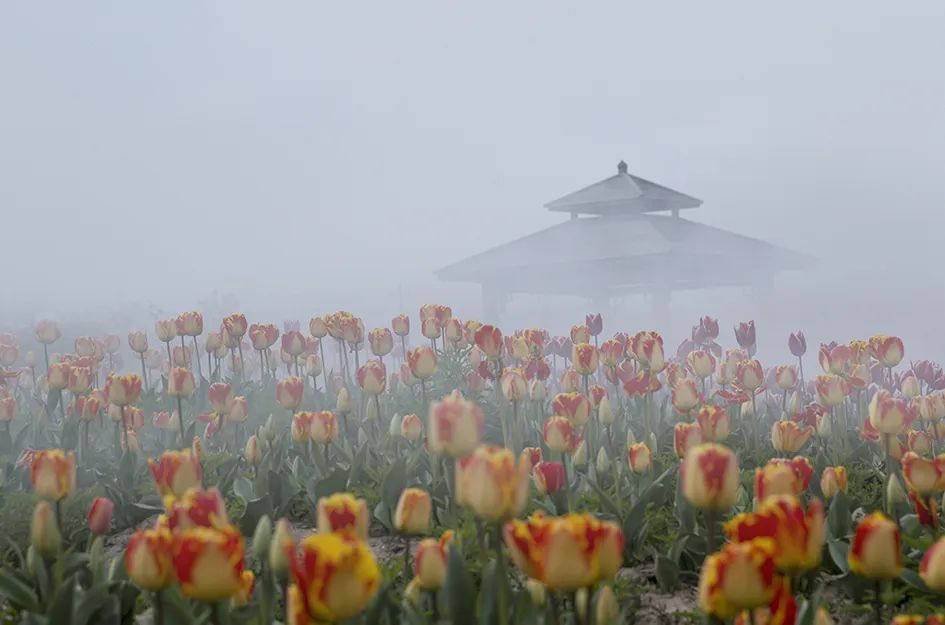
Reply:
x=394, y=483
x=255, y=509
x=838, y=553
x=243, y=488
x=488, y=596
x=91, y=601
x=667, y=573
x=912, y=578
x=460, y=592
x=838, y=517
x=16, y=590
x=334, y=483
x=685, y=512
x=60, y=609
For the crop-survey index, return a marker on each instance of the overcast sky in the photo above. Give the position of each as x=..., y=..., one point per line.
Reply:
x=300, y=153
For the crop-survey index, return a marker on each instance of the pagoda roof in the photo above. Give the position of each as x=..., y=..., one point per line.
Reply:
x=624, y=253
x=622, y=193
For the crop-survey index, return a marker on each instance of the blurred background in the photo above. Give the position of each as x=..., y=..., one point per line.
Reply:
x=297, y=158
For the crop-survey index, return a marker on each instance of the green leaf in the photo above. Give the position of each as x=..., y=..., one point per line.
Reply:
x=60, y=609
x=394, y=483
x=912, y=578
x=460, y=592
x=667, y=573
x=838, y=517
x=488, y=595
x=90, y=601
x=838, y=553
x=334, y=483
x=243, y=488
x=17, y=591
x=255, y=509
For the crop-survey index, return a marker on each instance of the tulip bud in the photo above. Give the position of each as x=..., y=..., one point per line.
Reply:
x=631, y=439
x=414, y=509
x=393, y=428
x=411, y=427
x=605, y=413
x=603, y=461
x=262, y=537
x=710, y=477
x=343, y=403
x=279, y=547
x=932, y=567
x=251, y=451
x=832, y=481
x=580, y=601
x=536, y=590
x=100, y=515
x=607, y=610
x=639, y=458
x=579, y=457
x=875, y=551
x=44, y=532
x=412, y=593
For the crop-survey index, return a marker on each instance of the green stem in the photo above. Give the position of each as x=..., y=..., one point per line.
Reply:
x=503, y=606
x=158, y=601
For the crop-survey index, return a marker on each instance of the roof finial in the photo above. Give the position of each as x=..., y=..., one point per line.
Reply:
x=621, y=167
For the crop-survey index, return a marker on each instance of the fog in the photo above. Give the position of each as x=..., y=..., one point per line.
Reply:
x=295, y=158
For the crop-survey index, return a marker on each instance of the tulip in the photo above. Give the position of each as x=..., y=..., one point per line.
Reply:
x=537, y=389
x=422, y=362
x=888, y=414
x=832, y=481
x=834, y=358
x=574, y=406
x=919, y=441
x=251, y=451
x=931, y=408
x=317, y=327
x=909, y=386
x=411, y=427
x=875, y=551
x=797, y=343
x=7, y=409
x=580, y=334
x=611, y=352
x=923, y=475
x=430, y=562
x=888, y=350
x=100, y=515
x=549, y=477
x=343, y=512
x=798, y=535
x=235, y=325
x=189, y=323
x=45, y=537
x=293, y=343
x=570, y=381
x=372, y=377
x=728, y=367
x=324, y=427
x=749, y=375
x=710, y=477
x=579, y=455
x=493, y=484
x=514, y=385
x=785, y=377
x=400, y=325
x=455, y=426
x=180, y=383
x=208, y=563
x=606, y=611
x=47, y=332
x=701, y=363
x=84, y=346
x=831, y=389
x=289, y=392
x=715, y=423
x=301, y=427
x=932, y=567
x=52, y=473
x=181, y=356
x=639, y=458
x=429, y=328
x=559, y=434
x=343, y=402
x=788, y=437
x=564, y=553
x=123, y=390
x=741, y=576
x=197, y=508
x=685, y=395
x=336, y=577
x=280, y=548
x=138, y=342
x=488, y=339
x=148, y=558
x=166, y=330
x=57, y=376
x=176, y=472
x=685, y=437
x=412, y=515
x=782, y=477
x=584, y=358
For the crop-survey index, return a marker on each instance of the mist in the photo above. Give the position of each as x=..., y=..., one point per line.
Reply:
x=303, y=157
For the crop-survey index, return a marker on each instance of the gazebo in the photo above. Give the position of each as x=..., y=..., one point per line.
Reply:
x=624, y=236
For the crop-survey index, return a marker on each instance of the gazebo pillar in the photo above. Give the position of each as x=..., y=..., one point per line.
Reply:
x=493, y=303
x=661, y=299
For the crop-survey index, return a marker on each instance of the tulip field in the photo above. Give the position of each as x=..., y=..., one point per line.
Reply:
x=435, y=470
